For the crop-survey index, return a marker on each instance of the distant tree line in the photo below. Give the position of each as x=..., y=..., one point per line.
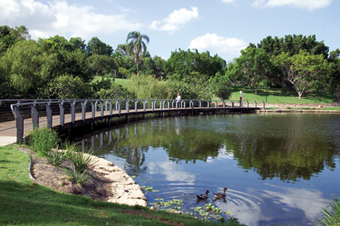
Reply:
x=59, y=68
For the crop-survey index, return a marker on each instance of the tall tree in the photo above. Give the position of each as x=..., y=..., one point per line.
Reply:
x=304, y=71
x=9, y=36
x=184, y=63
x=252, y=67
x=292, y=44
x=138, y=46
x=96, y=46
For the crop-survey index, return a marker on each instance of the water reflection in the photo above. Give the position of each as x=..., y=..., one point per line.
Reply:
x=271, y=164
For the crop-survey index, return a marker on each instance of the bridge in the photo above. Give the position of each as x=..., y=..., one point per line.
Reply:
x=65, y=114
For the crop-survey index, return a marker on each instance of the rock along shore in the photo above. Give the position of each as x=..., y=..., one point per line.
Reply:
x=124, y=189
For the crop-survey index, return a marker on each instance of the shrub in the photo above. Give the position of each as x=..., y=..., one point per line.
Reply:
x=42, y=140
x=80, y=161
x=76, y=176
x=55, y=158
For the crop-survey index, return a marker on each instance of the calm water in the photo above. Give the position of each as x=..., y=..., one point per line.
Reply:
x=278, y=168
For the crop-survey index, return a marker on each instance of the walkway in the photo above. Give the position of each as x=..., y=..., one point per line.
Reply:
x=9, y=133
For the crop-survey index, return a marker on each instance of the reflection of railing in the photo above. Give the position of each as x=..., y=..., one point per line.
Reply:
x=89, y=110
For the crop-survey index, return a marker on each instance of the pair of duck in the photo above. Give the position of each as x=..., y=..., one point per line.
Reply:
x=217, y=195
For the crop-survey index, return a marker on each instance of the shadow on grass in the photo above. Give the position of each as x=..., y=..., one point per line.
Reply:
x=33, y=204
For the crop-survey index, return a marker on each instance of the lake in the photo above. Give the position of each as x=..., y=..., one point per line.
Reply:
x=278, y=168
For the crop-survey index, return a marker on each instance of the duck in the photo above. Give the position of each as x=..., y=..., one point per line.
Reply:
x=203, y=196
x=221, y=195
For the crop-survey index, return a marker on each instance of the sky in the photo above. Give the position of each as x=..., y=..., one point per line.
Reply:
x=222, y=27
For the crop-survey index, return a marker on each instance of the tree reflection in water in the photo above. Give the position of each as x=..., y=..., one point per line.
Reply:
x=288, y=148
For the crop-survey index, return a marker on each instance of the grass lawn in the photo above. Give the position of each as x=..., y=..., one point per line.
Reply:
x=280, y=96
x=23, y=202
x=120, y=81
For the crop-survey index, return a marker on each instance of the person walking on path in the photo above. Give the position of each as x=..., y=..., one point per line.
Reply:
x=178, y=99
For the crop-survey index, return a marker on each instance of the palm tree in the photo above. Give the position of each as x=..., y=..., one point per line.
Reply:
x=137, y=44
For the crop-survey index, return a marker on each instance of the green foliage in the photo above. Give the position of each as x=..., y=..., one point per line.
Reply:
x=304, y=71
x=10, y=36
x=116, y=91
x=174, y=204
x=25, y=67
x=159, y=66
x=101, y=64
x=293, y=44
x=221, y=87
x=77, y=43
x=104, y=83
x=76, y=176
x=81, y=161
x=42, y=140
x=193, y=86
x=184, y=63
x=56, y=157
x=252, y=67
x=209, y=212
x=123, y=72
x=146, y=189
x=96, y=46
x=136, y=45
x=148, y=87
x=67, y=87
x=331, y=218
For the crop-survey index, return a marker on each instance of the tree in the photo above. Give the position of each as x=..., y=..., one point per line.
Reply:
x=184, y=63
x=95, y=46
x=137, y=45
x=292, y=44
x=221, y=86
x=26, y=68
x=304, y=71
x=78, y=43
x=10, y=36
x=252, y=67
x=125, y=50
x=159, y=66
x=101, y=64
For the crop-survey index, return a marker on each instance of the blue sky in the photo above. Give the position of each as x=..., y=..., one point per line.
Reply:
x=222, y=27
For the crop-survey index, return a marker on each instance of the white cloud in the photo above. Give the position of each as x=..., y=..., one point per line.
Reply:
x=175, y=20
x=308, y=4
x=172, y=173
x=61, y=18
x=213, y=42
x=228, y=1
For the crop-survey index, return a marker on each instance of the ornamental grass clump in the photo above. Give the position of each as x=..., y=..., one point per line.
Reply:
x=80, y=161
x=56, y=158
x=76, y=176
x=42, y=140
x=333, y=217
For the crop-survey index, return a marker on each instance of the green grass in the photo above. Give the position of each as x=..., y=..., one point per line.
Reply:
x=119, y=81
x=23, y=202
x=280, y=96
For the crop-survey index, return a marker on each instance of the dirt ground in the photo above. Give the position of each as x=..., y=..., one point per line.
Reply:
x=57, y=179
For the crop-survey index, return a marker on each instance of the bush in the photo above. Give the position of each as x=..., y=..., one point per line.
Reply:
x=55, y=158
x=67, y=87
x=76, y=176
x=80, y=162
x=42, y=140
x=116, y=91
x=148, y=87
